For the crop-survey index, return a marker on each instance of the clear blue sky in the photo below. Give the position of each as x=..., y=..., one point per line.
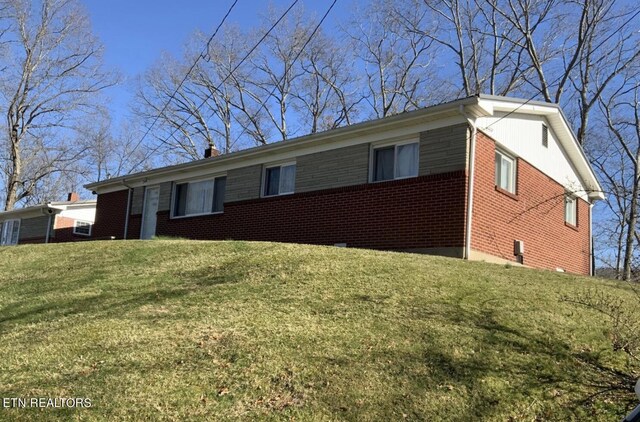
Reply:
x=135, y=32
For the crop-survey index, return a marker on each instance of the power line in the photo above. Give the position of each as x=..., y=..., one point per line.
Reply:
x=313, y=33
x=273, y=26
x=202, y=55
x=561, y=76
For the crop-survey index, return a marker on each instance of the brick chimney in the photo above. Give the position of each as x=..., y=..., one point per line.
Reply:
x=73, y=197
x=211, y=152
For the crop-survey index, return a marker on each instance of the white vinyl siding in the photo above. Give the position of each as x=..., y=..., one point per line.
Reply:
x=199, y=197
x=505, y=172
x=398, y=161
x=9, y=231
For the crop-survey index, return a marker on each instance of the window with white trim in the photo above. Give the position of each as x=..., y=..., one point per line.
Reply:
x=398, y=161
x=82, y=228
x=570, y=209
x=505, y=172
x=279, y=180
x=9, y=232
x=199, y=197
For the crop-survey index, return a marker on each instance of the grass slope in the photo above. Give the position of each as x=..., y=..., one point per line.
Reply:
x=184, y=330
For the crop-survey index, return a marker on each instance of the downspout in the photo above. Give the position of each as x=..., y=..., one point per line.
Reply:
x=46, y=238
x=592, y=261
x=472, y=168
x=126, y=218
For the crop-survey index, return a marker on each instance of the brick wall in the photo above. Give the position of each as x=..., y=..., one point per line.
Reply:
x=422, y=212
x=63, y=231
x=110, y=215
x=535, y=216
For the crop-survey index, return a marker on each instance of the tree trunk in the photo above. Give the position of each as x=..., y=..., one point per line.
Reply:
x=631, y=227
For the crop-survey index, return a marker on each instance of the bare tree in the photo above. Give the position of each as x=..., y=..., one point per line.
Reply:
x=274, y=69
x=326, y=93
x=52, y=75
x=621, y=111
x=396, y=62
x=170, y=109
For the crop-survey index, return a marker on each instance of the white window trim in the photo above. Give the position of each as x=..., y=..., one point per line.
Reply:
x=75, y=226
x=574, y=200
x=13, y=220
x=192, y=180
x=395, y=144
x=263, y=180
x=514, y=173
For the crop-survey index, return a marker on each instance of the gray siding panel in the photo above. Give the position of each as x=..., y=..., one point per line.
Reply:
x=243, y=183
x=34, y=227
x=164, y=203
x=137, y=200
x=331, y=169
x=443, y=150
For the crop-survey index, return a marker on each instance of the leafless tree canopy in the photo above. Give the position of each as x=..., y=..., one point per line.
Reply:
x=51, y=76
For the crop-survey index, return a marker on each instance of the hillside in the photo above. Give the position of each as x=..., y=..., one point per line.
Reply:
x=184, y=330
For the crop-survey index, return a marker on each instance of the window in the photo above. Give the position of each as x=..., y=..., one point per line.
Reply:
x=82, y=228
x=199, y=197
x=505, y=172
x=279, y=180
x=9, y=231
x=395, y=162
x=545, y=136
x=570, y=210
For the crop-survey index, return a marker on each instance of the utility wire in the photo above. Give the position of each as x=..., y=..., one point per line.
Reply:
x=184, y=120
x=202, y=55
x=561, y=76
x=263, y=104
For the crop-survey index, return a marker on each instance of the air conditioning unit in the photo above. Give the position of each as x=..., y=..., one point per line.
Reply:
x=518, y=247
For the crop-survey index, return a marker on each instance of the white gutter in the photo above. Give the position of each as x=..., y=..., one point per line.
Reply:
x=472, y=168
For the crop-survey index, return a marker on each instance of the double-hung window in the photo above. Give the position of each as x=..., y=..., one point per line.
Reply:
x=395, y=161
x=505, y=172
x=279, y=180
x=570, y=210
x=199, y=197
x=9, y=231
x=82, y=228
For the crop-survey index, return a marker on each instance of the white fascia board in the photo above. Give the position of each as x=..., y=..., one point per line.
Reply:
x=285, y=150
x=30, y=212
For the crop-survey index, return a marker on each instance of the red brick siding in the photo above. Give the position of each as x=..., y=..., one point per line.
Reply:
x=133, y=231
x=536, y=217
x=111, y=209
x=63, y=231
x=422, y=212
x=31, y=240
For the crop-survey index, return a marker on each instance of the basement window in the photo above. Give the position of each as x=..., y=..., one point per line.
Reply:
x=82, y=228
x=398, y=161
x=505, y=172
x=279, y=180
x=9, y=231
x=199, y=197
x=570, y=209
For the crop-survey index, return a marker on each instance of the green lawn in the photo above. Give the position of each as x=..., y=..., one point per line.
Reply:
x=183, y=330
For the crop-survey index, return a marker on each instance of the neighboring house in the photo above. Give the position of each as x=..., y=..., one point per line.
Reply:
x=54, y=222
x=485, y=177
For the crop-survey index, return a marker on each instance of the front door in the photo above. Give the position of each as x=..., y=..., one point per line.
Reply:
x=151, y=197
